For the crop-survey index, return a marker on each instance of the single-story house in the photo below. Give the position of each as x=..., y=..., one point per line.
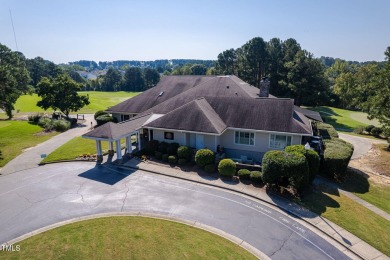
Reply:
x=209, y=112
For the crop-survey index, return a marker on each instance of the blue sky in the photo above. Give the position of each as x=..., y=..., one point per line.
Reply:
x=69, y=30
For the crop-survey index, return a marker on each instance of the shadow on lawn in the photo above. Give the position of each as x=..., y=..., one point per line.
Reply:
x=356, y=181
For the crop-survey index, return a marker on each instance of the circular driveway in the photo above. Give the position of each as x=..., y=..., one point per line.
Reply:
x=42, y=196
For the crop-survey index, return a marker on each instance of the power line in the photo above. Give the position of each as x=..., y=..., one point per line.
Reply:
x=13, y=28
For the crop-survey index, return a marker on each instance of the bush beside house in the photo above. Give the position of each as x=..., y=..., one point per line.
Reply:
x=326, y=131
x=313, y=159
x=244, y=174
x=184, y=152
x=227, y=168
x=256, y=176
x=204, y=157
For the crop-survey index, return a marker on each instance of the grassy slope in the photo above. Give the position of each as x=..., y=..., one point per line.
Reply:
x=99, y=101
x=18, y=135
x=344, y=120
x=350, y=215
x=73, y=148
x=127, y=238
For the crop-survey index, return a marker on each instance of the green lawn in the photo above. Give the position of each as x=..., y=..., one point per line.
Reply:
x=350, y=215
x=73, y=148
x=344, y=120
x=18, y=135
x=99, y=101
x=127, y=238
x=370, y=191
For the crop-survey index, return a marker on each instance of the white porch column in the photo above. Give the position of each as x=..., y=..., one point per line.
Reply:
x=98, y=148
x=129, y=145
x=149, y=135
x=118, y=149
x=110, y=146
x=139, y=141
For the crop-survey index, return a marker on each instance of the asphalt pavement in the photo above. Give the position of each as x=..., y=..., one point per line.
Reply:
x=38, y=197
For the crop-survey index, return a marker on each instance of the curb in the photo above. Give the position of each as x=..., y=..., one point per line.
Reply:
x=195, y=224
x=253, y=197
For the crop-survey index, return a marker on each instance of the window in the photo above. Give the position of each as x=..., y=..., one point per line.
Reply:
x=125, y=117
x=244, y=138
x=168, y=135
x=279, y=141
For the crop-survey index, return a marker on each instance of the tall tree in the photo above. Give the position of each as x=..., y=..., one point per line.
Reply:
x=152, y=77
x=276, y=65
x=134, y=80
x=13, y=78
x=60, y=93
x=112, y=80
x=198, y=69
x=227, y=62
x=39, y=68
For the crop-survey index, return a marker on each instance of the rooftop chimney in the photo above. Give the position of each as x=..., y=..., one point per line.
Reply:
x=264, y=87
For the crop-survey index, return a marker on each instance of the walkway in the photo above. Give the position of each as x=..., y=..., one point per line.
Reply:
x=361, y=144
x=31, y=157
x=345, y=238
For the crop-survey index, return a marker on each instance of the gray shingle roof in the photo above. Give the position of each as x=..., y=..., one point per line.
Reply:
x=309, y=113
x=197, y=116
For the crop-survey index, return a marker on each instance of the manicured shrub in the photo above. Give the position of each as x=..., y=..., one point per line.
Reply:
x=158, y=155
x=172, y=148
x=281, y=168
x=313, y=159
x=376, y=131
x=72, y=121
x=327, y=131
x=172, y=159
x=209, y=168
x=336, y=159
x=46, y=123
x=182, y=161
x=204, y=157
x=227, y=168
x=256, y=176
x=99, y=113
x=34, y=118
x=61, y=125
x=164, y=157
x=151, y=146
x=184, y=152
x=101, y=120
x=163, y=147
x=369, y=128
x=244, y=174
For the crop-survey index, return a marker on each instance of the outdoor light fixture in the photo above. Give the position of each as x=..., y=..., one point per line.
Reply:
x=307, y=147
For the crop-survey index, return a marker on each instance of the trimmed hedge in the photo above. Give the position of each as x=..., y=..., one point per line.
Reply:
x=326, y=131
x=101, y=120
x=164, y=157
x=256, y=176
x=204, y=157
x=282, y=168
x=376, y=131
x=151, y=147
x=244, y=174
x=227, y=168
x=172, y=148
x=158, y=155
x=99, y=113
x=336, y=158
x=184, y=152
x=61, y=125
x=313, y=159
x=369, y=128
x=209, y=168
x=182, y=161
x=162, y=148
x=172, y=159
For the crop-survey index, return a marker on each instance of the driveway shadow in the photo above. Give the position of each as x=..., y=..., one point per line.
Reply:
x=104, y=175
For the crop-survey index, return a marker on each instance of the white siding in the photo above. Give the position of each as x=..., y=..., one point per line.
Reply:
x=179, y=137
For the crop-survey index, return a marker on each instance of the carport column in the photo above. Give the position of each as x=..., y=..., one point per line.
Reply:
x=129, y=145
x=118, y=149
x=110, y=148
x=99, y=154
x=139, y=141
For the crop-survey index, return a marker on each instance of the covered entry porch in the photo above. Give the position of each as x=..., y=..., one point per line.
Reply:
x=115, y=134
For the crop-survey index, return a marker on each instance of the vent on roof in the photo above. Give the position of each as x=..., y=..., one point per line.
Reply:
x=227, y=86
x=161, y=93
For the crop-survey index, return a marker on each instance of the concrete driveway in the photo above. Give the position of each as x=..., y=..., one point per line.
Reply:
x=362, y=145
x=42, y=196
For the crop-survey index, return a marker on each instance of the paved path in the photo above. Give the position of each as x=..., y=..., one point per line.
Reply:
x=361, y=144
x=42, y=196
x=31, y=157
x=345, y=238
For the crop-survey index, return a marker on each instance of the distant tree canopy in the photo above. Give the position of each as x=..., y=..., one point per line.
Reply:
x=293, y=72
x=60, y=93
x=13, y=78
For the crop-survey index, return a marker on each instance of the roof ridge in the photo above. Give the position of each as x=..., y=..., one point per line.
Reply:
x=240, y=86
x=198, y=102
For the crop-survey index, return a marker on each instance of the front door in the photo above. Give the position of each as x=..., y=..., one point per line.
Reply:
x=199, y=141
